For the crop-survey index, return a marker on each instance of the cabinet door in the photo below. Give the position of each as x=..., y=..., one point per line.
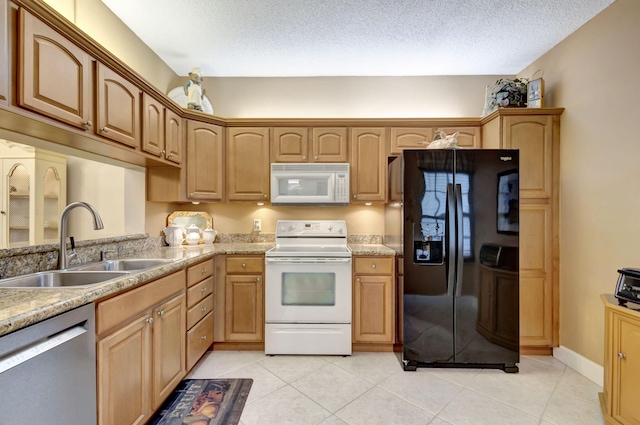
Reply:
x=4, y=52
x=153, y=138
x=533, y=136
x=290, y=144
x=169, y=349
x=626, y=370
x=248, y=164
x=373, y=309
x=204, y=161
x=173, y=137
x=124, y=374
x=410, y=138
x=244, y=306
x=468, y=137
x=329, y=144
x=536, y=292
x=54, y=75
x=368, y=164
x=118, y=107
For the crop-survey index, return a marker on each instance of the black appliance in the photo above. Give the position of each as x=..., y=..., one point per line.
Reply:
x=454, y=216
x=628, y=287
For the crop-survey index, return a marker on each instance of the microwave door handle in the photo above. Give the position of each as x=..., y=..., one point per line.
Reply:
x=450, y=241
x=460, y=240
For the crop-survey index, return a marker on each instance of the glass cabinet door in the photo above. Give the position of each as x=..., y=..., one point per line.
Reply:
x=51, y=207
x=19, y=207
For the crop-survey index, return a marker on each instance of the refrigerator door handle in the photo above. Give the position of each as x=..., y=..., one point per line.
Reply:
x=459, y=240
x=451, y=231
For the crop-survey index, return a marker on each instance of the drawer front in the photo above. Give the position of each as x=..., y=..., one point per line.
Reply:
x=198, y=291
x=199, y=272
x=241, y=265
x=199, y=338
x=198, y=311
x=121, y=308
x=373, y=265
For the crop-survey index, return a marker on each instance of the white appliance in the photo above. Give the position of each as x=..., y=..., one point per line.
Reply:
x=310, y=184
x=308, y=289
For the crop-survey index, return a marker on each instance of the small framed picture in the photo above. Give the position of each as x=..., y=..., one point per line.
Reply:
x=535, y=93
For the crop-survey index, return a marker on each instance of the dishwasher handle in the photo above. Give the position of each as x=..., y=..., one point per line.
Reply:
x=40, y=347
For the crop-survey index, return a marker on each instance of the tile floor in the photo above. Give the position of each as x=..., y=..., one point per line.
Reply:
x=372, y=388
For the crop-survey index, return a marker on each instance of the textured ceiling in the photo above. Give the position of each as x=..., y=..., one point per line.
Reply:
x=272, y=38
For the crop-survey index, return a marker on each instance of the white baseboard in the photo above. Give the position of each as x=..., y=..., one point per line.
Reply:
x=580, y=364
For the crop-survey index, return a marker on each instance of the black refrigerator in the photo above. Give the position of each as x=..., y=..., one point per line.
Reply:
x=453, y=215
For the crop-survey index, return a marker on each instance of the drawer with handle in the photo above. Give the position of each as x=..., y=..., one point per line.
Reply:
x=198, y=311
x=198, y=272
x=199, y=291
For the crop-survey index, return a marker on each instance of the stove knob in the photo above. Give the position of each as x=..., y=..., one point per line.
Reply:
x=291, y=227
x=340, y=230
x=330, y=228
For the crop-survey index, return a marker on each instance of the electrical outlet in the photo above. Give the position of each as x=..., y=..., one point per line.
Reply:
x=257, y=225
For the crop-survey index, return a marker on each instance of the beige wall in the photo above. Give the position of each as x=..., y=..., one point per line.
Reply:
x=594, y=75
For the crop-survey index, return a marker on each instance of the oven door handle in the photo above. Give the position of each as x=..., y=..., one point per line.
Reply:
x=305, y=260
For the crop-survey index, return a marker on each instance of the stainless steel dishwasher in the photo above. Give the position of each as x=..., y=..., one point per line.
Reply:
x=48, y=371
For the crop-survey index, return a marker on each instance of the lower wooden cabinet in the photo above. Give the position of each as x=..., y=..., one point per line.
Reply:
x=239, y=299
x=140, y=350
x=374, y=300
x=619, y=399
x=199, y=314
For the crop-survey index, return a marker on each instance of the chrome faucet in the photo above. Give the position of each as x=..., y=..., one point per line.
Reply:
x=63, y=257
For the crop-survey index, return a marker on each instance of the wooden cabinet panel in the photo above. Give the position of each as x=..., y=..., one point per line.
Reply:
x=290, y=144
x=329, y=144
x=244, y=265
x=4, y=52
x=118, y=107
x=535, y=239
x=373, y=265
x=533, y=136
x=199, y=339
x=200, y=290
x=198, y=311
x=173, y=137
x=205, y=161
x=198, y=272
x=169, y=338
x=368, y=164
x=153, y=138
x=54, y=74
x=244, y=318
x=248, y=164
x=409, y=138
x=124, y=375
x=373, y=309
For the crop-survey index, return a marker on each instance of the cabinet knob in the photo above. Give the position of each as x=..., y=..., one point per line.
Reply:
x=264, y=196
x=203, y=337
x=258, y=279
x=621, y=356
x=355, y=196
x=87, y=124
x=357, y=279
x=204, y=309
x=204, y=271
x=315, y=157
x=191, y=195
x=163, y=152
x=104, y=129
x=170, y=155
x=160, y=313
x=304, y=157
x=244, y=266
x=373, y=266
x=150, y=320
x=204, y=290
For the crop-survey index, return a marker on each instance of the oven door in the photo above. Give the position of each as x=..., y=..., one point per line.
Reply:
x=308, y=290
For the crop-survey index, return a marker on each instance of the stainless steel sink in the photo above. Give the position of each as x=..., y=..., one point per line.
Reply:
x=60, y=278
x=128, y=264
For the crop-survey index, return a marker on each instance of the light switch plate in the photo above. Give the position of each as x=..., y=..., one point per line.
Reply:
x=257, y=225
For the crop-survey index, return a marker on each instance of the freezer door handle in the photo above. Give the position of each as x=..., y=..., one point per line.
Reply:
x=450, y=240
x=459, y=240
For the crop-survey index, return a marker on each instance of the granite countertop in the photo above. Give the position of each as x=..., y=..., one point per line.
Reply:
x=21, y=307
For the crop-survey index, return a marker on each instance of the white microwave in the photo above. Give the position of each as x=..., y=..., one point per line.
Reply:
x=310, y=184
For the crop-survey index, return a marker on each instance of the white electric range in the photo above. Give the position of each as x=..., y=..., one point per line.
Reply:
x=308, y=289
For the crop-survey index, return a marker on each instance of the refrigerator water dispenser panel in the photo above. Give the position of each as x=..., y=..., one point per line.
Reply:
x=427, y=252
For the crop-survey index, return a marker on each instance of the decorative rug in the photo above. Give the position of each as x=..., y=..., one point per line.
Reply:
x=204, y=402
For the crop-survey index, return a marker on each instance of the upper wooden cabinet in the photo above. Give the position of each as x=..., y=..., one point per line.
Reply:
x=161, y=130
x=205, y=161
x=409, y=138
x=248, y=164
x=118, y=107
x=302, y=144
x=368, y=160
x=4, y=52
x=54, y=74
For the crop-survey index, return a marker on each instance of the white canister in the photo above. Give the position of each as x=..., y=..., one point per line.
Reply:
x=209, y=235
x=173, y=234
x=193, y=234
